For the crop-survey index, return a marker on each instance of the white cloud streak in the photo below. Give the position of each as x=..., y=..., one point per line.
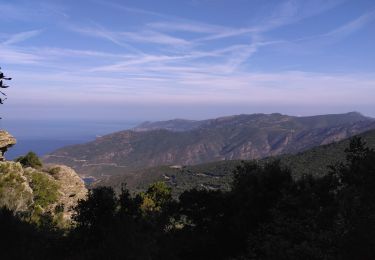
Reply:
x=180, y=69
x=352, y=26
x=16, y=56
x=292, y=87
x=20, y=37
x=335, y=35
x=31, y=11
x=100, y=32
x=154, y=37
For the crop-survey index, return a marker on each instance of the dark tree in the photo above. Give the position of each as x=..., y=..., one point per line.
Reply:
x=356, y=202
x=2, y=86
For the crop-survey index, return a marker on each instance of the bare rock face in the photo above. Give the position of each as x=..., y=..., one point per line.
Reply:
x=71, y=188
x=6, y=141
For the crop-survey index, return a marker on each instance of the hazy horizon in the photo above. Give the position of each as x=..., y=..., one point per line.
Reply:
x=43, y=136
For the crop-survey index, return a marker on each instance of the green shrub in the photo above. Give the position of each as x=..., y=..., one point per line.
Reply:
x=14, y=194
x=45, y=190
x=54, y=170
x=45, y=193
x=156, y=197
x=30, y=160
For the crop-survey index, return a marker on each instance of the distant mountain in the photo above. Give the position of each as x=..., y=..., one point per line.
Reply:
x=184, y=142
x=176, y=125
x=218, y=175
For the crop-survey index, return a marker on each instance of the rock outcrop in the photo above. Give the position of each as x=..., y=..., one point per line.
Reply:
x=71, y=188
x=6, y=141
x=36, y=193
x=32, y=192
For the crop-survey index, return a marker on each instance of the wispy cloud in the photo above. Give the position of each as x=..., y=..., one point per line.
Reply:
x=100, y=32
x=138, y=11
x=64, y=52
x=226, y=61
x=169, y=59
x=20, y=37
x=291, y=87
x=153, y=37
x=337, y=34
x=352, y=26
x=31, y=11
x=292, y=11
x=188, y=26
x=16, y=56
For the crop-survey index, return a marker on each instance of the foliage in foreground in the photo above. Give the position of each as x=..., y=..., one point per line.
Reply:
x=30, y=160
x=266, y=215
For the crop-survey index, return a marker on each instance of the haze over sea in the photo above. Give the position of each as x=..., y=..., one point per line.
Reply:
x=44, y=136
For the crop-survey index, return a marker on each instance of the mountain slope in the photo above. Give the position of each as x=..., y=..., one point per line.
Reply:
x=172, y=125
x=310, y=121
x=218, y=175
x=235, y=137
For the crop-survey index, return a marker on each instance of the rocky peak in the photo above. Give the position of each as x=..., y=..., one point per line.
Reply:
x=6, y=141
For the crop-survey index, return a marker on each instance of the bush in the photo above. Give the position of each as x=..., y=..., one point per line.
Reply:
x=30, y=160
x=54, y=170
x=45, y=189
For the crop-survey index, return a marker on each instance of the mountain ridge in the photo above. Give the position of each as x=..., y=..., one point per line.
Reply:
x=246, y=137
x=180, y=124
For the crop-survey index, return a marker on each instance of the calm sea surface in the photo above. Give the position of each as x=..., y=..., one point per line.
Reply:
x=45, y=136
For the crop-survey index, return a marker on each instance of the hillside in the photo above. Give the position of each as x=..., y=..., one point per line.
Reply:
x=218, y=175
x=318, y=121
x=176, y=125
x=241, y=137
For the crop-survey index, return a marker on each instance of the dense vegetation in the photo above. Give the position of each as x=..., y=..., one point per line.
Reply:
x=267, y=214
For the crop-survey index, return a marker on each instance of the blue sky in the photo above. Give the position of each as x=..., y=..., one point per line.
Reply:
x=159, y=59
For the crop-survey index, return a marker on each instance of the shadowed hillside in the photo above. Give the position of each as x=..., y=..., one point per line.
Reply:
x=218, y=175
x=242, y=137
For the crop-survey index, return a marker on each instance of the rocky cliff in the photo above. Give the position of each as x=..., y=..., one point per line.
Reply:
x=6, y=141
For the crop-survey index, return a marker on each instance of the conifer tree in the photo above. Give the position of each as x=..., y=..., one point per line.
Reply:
x=3, y=86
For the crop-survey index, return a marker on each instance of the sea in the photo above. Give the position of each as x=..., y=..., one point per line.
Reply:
x=45, y=136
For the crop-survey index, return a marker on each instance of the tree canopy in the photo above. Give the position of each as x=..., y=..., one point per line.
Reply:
x=266, y=215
